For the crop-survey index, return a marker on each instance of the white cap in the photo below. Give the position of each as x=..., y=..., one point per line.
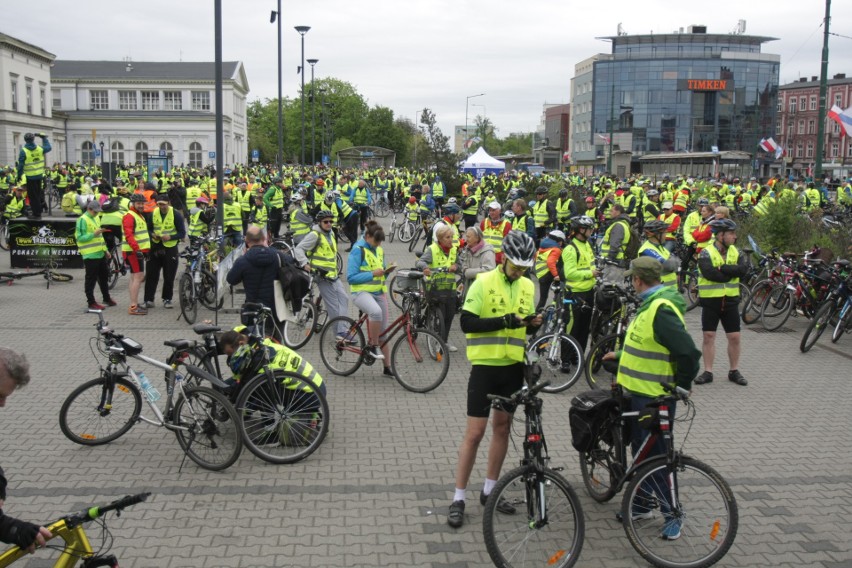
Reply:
x=667, y=205
x=556, y=233
x=494, y=205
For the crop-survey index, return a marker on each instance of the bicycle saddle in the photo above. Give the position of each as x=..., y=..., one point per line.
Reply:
x=204, y=328
x=179, y=343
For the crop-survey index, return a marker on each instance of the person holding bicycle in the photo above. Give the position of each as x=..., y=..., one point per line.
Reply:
x=366, y=274
x=657, y=349
x=15, y=374
x=318, y=250
x=496, y=317
x=442, y=254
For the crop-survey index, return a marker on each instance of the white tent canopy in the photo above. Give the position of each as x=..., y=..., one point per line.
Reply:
x=480, y=163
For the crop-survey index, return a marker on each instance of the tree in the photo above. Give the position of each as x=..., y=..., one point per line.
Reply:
x=339, y=144
x=379, y=129
x=439, y=156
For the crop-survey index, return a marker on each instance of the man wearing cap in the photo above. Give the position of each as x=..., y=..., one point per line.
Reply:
x=168, y=228
x=90, y=242
x=657, y=349
x=494, y=228
x=673, y=221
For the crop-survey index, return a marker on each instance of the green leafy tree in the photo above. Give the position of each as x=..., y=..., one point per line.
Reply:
x=339, y=144
x=438, y=155
x=379, y=129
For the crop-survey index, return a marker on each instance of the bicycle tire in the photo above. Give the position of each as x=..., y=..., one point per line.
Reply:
x=600, y=467
x=213, y=439
x=412, y=352
x=596, y=376
x=207, y=292
x=395, y=295
x=552, y=363
x=750, y=312
x=406, y=231
x=4, y=236
x=114, y=271
x=412, y=244
x=434, y=319
x=708, y=512
x=381, y=209
x=339, y=358
x=690, y=291
x=197, y=357
x=58, y=276
x=99, y=425
x=392, y=231
x=844, y=322
x=817, y=326
x=285, y=421
x=782, y=303
x=186, y=298
x=557, y=542
x=339, y=260
x=296, y=334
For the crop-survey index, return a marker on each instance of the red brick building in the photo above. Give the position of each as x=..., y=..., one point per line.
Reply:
x=796, y=129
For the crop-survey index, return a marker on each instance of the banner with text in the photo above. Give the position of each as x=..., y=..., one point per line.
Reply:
x=35, y=244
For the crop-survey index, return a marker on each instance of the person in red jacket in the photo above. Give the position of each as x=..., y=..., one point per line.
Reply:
x=137, y=244
x=673, y=220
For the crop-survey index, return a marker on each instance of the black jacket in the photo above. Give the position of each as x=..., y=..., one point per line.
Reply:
x=257, y=269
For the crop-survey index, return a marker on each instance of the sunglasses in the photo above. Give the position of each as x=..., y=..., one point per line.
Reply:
x=515, y=267
x=326, y=222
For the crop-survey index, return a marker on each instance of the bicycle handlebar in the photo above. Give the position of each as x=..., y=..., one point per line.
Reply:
x=524, y=393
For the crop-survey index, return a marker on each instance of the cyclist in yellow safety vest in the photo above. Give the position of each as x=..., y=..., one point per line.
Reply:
x=657, y=350
x=232, y=220
x=300, y=221
x=581, y=274
x=497, y=314
x=200, y=217
x=494, y=229
x=548, y=264
x=653, y=247
x=167, y=229
x=69, y=202
x=565, y=209
x=31, y=166
x=136, y=245
x=257, y=214
x=441, y=287
x=90, y=242
x=544, y=213
x=617, y=235
x=720, y=268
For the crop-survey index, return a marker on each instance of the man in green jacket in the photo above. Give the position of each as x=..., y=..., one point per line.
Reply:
x=90, y=241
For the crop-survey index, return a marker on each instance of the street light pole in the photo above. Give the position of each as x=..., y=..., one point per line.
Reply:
x=313, y=62
x=302, y=31
x=280, y=157
x=466, y=106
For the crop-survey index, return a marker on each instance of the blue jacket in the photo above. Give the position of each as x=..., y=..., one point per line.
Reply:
x=354, y=274
x=428, y=202
x=22, y=156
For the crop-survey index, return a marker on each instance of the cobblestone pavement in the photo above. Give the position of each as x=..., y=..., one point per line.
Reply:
x=376, y=492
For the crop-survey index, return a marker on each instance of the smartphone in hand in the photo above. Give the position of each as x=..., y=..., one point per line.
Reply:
x=390, y=269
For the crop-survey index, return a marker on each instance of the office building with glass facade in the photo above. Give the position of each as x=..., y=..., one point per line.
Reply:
x=672, y=93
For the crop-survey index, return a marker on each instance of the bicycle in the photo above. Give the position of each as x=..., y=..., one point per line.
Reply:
x=805, y=291
x=686, y=490
x=117, y=267
x=197, y=284
x=829, y=313
x=628, y=306
x=77, y=547
x=49, y=275
x=427, y=312
x=549, y=526
x=104, y=409
x=394, y=227
x=556, y=348
x=310, y=319
x=412, y=352
x=4, y=232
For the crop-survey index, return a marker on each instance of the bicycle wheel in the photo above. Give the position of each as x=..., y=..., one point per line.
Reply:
x=342, y=356
x=197, y=357
x=690, y=290
x=395, y=294
x=381, y=209
x=114, y=271
x=413, y=243
x=4, y=236
x=406, y=231
x=750, y=312
x=706, y=511
x=283, y=418
x=210, y=433
x=555, y=353
x=596, y=375
x=435, y=320
x=818, y=324
x=186, y=298
x=419, y=360
x=100, y=411
x=546, y=530
x=844, y=322
x=392, y=231
x=298, y=333
x=58, y=276
x=601, y=466
x=777, y=307
x=207, y=293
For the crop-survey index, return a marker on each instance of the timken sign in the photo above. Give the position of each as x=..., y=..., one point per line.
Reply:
x=705, y=85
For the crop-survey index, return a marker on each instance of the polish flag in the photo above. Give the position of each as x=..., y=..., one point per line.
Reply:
x=842, y=117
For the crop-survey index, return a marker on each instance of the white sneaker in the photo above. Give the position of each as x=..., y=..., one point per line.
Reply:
x=452, y=348
x=167, y=304
x=375, y=352
x=149, y=304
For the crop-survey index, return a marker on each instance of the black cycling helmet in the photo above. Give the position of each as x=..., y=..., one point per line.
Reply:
x=656, y=226
x=563, y=193
x=29, y=137
x=137, y=198
x=323, y=214
x=519, y=248
x=541, y=189
x=582, y=222
x=722, y=225
x=450, y=209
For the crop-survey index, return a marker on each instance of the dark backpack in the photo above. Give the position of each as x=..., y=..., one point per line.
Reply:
x=631, y=251
x=588, y=412
x=110, y=205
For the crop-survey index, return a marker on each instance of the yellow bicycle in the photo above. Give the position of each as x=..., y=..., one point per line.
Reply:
x=77, y=548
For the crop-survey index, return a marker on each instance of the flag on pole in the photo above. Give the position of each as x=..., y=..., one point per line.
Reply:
x=779, y=151
x=471, y=141
x=604, y=137
x=768, y=144
x=842, y=117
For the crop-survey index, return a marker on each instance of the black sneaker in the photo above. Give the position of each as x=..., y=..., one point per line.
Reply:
x=503, y=506
x=704, y=378
x=455, y=518
x=736, y=377
x=388, y=373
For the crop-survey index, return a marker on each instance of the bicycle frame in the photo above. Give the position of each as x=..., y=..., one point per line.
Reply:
x=77, y=546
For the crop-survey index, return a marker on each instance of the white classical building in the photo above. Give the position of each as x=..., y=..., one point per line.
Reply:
x=135, y=109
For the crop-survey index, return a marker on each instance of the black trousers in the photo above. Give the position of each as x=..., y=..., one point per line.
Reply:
x=364, y=215
x=470, y=221
x=273, y=223
x=350, y=228
x=167, y=260
x=97, y=271
x=543, y=290
x=35, y=193
x=579, y=319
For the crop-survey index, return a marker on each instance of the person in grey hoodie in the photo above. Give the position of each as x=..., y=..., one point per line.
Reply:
x=479, y=256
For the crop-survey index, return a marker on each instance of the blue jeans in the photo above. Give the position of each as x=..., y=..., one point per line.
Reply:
x=658, y=484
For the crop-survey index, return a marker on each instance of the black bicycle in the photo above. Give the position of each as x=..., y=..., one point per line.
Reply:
x=548, y=526
x=47, y=272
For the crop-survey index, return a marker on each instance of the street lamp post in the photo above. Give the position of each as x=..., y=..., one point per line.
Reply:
x=466, y=106
x=276, y=15
x=313, y=62
x=302, y=31
x=484, y=118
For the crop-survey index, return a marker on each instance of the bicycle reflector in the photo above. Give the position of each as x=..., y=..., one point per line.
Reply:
x=664, y=418
x=534, y=438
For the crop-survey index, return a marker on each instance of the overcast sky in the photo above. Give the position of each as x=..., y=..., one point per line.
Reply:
x=408, y=55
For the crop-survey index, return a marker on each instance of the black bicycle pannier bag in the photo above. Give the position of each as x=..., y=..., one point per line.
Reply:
x=588, y=411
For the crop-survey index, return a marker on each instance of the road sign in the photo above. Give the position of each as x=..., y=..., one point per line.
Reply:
x=162, y=153
x=97, y=153
x=211, y=154
x=255, y=155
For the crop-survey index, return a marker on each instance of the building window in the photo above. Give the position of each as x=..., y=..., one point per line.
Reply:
x=810, y=151
x=790, y=130
x=167, y=146
x=801, y=127
x=150, y=100
x=849, y=150
x=799, y=150
x=780, y=106
x=803, y=104
x=127, y=100
x=172, y=100
x=195, y=155
x=835, y=128
x=835, y=149
x=57, y=98
x=811, y=126
x=838, y=99
x=43, y=100
x=29, y=99
x=793, y=106
x=200, y=100
x=117, y=156
x=813, y=103
x=141, y=152
x=88, y=153
x=98, y=100
x=14, y=90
